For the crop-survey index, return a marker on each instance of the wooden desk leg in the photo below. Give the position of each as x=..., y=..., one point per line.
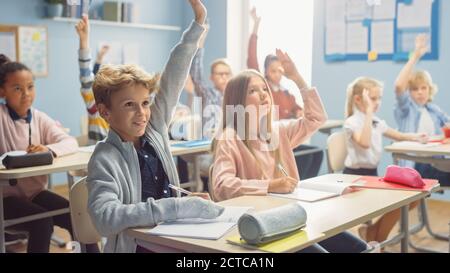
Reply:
x=404, y=228
x=2, y=223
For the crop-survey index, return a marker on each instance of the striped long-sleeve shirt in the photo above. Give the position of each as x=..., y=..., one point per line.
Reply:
x=98, y=127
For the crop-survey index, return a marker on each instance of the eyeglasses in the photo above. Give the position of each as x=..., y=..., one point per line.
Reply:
x=222, y=74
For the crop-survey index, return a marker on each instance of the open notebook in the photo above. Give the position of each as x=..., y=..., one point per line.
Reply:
x=211, y=229
x=320, y=188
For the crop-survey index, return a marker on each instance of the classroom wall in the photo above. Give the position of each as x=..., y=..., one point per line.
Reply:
x=332, y=78
x=58, y=94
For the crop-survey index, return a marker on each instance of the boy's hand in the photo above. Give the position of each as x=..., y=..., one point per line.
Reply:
x=194, y=207
x=421, y=45
x=101, y=53
x=37, y=149
x=83, y=31
x=199, y=11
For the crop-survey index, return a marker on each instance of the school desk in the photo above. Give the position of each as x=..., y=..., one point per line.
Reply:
x=67, y=163
x=423, y=154
x=328, y=217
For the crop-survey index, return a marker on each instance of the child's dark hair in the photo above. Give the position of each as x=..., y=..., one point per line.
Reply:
x=269, y=60
x=8, y=67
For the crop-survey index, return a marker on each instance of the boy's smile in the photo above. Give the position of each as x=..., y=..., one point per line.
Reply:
x=129, y=112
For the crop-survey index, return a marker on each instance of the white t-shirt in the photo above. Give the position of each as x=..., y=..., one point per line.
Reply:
x=426, y=124
x=357, y=156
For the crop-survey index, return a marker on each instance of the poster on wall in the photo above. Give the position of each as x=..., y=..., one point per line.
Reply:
x=33, y=49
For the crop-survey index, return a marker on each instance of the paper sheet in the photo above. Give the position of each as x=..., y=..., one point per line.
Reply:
x=415, y=15
x=336, y=37
x=357, y=38
x=383, y=37
x=8, y=44
x=357, y=10
x=33, y=49
x=384, y=10
x=335, y=11
x=210, y=229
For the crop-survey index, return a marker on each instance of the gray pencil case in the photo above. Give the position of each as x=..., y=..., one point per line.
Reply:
x=270, y=225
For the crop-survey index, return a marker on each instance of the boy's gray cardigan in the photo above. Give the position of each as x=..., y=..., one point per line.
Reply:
x=114, y=179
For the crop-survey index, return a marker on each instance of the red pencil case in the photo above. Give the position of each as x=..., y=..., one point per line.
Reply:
x=403, y=175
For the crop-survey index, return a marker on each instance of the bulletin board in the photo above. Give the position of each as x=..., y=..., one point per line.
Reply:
x=9, y=42
x=379, y=30
x=28, y=45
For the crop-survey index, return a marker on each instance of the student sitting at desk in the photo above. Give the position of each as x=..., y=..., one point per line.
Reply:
x=130, y=171
x=364, y=135
x=308, y=164
x=27, y=129
x=250, y=146
x=415, y=111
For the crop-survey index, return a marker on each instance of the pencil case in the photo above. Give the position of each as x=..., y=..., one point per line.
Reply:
x=270, y=225
x=28, y=160
x=403, y=175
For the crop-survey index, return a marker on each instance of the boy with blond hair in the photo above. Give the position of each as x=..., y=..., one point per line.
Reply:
x=130, y=171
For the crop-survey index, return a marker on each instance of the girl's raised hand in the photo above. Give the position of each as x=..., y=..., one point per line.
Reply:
x=367, y=101
x=290, y=70
x=199, y=11
x=254, y=15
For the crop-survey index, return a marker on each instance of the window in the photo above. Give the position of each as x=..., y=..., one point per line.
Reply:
x=286, y=24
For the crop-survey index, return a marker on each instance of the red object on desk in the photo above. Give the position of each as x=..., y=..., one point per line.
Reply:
x=436, y=141
x=373, y=182
x=446, y=131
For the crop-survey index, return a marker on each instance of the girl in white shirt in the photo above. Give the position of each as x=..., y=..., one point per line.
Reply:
x=365, y=133
x=364, y=130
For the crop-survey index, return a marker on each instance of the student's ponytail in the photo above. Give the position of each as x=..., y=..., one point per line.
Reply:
x=7, y=67
x=4, y=59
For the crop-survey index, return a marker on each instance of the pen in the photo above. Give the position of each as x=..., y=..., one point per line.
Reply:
x=178, y=189
x=280, y=167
